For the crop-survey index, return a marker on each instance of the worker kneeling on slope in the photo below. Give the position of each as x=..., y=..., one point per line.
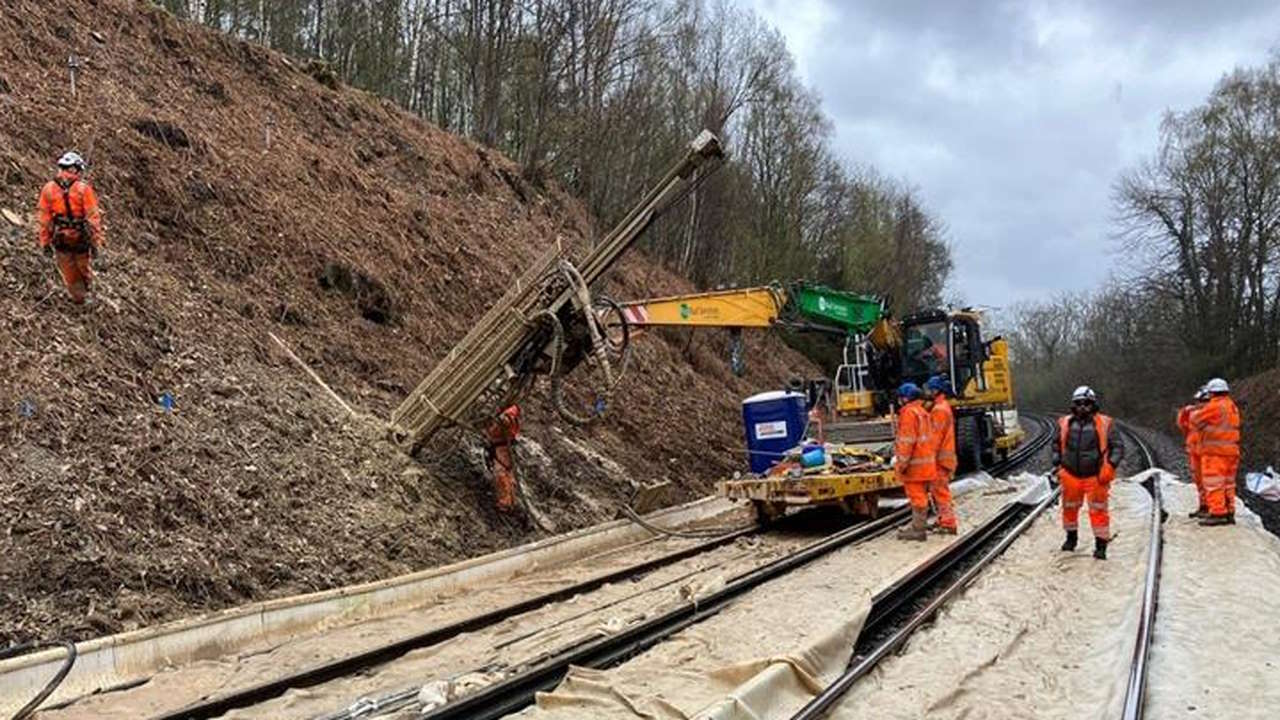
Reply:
x=71, y=225
x=1217, y=424
x=1086, y=456
x=1191, y=436
x=943, y=427
x=914, y=458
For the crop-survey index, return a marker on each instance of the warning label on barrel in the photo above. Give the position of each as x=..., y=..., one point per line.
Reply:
x=771, y=430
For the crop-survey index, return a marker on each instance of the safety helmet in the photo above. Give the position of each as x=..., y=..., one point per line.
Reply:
x=1202, y=394
x=1082, y=393
x=71, y=159
x=908, y=391
x=1217, y=385
x=938, y=384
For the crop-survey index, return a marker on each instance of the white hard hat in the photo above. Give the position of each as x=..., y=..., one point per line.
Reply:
x=1084, y=392
x=71, y=158
x=1217, y=385
x=1202, y=394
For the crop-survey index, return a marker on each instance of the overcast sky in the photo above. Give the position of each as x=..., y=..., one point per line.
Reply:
x=1014, y=118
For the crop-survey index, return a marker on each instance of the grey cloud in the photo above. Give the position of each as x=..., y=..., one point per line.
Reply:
x=1014, y=119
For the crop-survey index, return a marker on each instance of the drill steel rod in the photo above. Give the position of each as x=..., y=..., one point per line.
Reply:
x=449, y=394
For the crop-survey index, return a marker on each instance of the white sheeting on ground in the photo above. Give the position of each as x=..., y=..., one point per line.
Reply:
x=1265, y=485
x=1216, y=649
x=768, y=653
x=1040, y=634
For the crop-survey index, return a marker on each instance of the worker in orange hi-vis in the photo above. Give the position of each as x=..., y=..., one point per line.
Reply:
x=1192, y=438
x=71, y=225
x=1086, y=455
x=1218, y=425
x=914, y=458
x=943, y=429
x=502, y=434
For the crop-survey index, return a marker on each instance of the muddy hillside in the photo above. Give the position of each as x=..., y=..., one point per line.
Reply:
x=160, y=454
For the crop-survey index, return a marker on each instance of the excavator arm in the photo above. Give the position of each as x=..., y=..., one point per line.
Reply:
x=796, y=306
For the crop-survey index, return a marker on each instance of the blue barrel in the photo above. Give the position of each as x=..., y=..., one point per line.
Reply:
x=774, y=423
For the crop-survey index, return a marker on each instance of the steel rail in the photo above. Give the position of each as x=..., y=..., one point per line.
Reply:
x=1012, y=521
x=1136, y=690
x=518, y=691
x=1001, y=530
x=347, y=665
x=681, y=617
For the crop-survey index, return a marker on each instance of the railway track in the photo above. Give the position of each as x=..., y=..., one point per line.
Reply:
x=902, y=608
x=1136, y=690
x=518, y=690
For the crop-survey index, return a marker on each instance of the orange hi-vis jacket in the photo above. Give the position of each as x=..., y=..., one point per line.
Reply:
x=1189, y=433
x=943, y=421
x=914, y=445
x=69, y=216
x=1217, y=424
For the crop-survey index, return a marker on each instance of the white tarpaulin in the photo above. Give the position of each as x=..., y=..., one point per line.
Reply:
x=1265, y=485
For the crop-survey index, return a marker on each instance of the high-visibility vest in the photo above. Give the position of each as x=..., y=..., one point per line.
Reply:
x=914, y=444
x=1101, y=425
x=1218, y=425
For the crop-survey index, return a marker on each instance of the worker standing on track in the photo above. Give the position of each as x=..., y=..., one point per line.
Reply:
x=1217, y=423
x=943, y=427
x=71, y=225
x=1192, y=437
x=1086, y=456
x=914, y=464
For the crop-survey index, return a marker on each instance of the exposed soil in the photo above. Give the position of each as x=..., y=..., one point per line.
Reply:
x=244, y=196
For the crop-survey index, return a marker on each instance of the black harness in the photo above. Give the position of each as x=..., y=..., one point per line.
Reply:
x=66, y=223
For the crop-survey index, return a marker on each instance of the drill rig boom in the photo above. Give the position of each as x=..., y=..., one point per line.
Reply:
x=543, y=318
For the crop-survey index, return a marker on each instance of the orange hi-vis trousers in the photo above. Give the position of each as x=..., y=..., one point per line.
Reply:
x=1075, y=490
x=917, y=493
x=1195, y=460
x=1218, y=478
x=940, y=491
x=76, y=273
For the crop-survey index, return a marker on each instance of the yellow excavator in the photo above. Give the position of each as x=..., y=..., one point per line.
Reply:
x=799, y=306
x=852, y=468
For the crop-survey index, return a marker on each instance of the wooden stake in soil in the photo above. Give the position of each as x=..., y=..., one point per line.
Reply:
x=312, y=374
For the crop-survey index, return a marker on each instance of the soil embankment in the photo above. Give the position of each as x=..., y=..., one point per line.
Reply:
x=243, y=196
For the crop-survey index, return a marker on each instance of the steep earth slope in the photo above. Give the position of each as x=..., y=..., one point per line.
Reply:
x=247, y=195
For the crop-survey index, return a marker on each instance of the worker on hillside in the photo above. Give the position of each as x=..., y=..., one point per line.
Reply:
x=943, y=429
x=914, y=452
x=71, y=225
x=502, y=433
x=1218, y=424
x=1192, y=439
x=1086, y=456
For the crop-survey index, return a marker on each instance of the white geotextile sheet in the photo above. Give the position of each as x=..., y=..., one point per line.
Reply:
x=1039, y=634
x=1216, y=648
x=771, y=651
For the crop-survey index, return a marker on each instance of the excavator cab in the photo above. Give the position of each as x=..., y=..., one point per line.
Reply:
x=947, y=343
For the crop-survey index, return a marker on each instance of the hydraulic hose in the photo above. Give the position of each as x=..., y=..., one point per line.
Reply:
x=26, y=710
